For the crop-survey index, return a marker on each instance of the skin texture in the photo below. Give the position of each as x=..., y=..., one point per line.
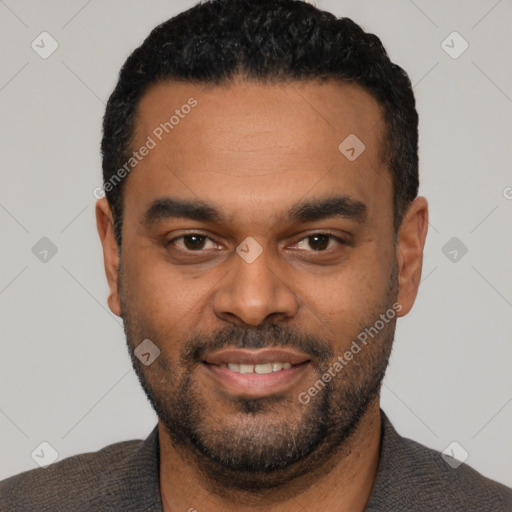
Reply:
x=253, y=151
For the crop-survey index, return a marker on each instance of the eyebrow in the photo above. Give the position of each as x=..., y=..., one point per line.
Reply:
x=166, y=208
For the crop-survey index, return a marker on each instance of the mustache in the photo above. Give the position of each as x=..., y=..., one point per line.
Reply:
x=237, y=336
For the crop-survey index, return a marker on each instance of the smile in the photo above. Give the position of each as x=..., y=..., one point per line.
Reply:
x=260, y=369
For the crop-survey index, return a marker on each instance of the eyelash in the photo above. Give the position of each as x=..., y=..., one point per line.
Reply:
x=320, y=233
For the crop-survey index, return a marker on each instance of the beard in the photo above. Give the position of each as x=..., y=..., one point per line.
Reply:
x=272, y=440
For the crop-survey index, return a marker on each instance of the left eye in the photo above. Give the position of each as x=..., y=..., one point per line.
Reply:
x=318, y=242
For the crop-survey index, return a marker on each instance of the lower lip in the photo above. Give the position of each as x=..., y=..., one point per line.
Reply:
x=253, y=384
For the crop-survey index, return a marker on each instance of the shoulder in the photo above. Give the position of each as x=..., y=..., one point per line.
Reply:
x=74, y=483
x=461, y=486
x=412, y=476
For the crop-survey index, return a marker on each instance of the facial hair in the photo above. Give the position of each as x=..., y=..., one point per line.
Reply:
x=275, y=439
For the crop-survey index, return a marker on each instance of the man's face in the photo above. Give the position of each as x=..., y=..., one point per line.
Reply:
x=292, y=250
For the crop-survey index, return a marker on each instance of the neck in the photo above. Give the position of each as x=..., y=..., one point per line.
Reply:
x=345, y=485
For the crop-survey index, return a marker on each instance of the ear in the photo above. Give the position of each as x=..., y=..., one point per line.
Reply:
x=409, y=252
x=105, y=225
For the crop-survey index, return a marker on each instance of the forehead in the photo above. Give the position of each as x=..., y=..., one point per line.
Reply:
x=322, y=111
x=250, y=146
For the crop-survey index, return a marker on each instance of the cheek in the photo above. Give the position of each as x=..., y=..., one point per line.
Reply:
x=359, y=284
x=350, y=298
x=343, y=305
x=168, y=300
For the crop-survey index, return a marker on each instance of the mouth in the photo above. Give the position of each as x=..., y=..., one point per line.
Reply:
x=255, y=373
x=260, y=369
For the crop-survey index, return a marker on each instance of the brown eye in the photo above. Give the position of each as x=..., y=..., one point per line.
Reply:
x=319, y=242
x=194, y=241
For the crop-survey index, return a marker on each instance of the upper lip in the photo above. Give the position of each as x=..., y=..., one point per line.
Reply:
x=257, y=356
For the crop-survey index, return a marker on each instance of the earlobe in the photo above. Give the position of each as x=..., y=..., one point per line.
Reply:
x=105, y=226
x=409, y=252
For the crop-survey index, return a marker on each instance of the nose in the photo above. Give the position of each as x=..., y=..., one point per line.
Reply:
x=254, y=291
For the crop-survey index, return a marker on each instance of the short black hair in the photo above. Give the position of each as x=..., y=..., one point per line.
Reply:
x=264, y=40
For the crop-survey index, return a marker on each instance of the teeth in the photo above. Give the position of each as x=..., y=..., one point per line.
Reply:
x=263, y=368
x=256, y=368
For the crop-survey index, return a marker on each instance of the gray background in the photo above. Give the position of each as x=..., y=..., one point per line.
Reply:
x=65, y=375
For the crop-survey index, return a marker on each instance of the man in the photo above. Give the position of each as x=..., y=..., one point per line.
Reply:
x=261, y=233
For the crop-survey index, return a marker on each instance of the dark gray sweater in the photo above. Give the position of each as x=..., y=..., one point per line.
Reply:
x=124, y=477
